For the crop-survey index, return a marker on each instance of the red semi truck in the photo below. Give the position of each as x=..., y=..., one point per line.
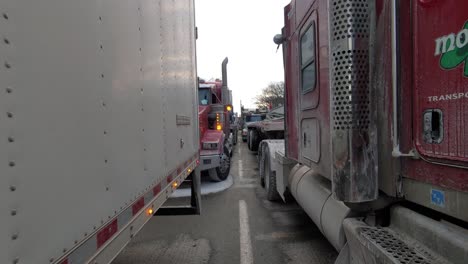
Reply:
x=376, y=115
x=215, y=116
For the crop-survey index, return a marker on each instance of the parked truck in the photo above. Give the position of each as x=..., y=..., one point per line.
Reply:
x=271, y=127
x=216, y=119
x=376, y=127
x=98, y=124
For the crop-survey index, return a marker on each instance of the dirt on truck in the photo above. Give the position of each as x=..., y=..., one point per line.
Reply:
x=375, y=113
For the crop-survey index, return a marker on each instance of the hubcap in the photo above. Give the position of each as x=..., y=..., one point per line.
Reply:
x=224, y=163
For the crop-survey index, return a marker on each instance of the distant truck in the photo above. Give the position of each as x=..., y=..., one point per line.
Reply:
x=375, y=148
x=98, y=124
x=271, y=126
x=215, y=113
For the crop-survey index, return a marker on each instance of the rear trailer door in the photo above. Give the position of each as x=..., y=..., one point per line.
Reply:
x=440, y=117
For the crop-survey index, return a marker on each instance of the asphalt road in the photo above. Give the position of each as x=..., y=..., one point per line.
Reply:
x=237, y=225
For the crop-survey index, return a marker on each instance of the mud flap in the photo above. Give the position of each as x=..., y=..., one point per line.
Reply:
x=194, y=208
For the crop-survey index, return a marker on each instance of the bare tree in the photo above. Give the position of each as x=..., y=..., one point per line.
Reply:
x=271, y=96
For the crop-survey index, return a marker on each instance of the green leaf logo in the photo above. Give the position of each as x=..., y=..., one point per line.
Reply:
x=458, y=55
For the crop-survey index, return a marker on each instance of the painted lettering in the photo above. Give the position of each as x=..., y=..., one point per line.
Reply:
x=462, y=38
x=445, y=44
x=447, y=97
x=452, y=50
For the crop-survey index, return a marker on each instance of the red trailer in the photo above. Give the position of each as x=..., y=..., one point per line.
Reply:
x=376, y=121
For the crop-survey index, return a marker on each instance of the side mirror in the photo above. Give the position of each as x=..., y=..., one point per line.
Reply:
x=278, y=39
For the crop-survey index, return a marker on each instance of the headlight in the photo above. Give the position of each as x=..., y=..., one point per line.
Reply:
x=210, y=145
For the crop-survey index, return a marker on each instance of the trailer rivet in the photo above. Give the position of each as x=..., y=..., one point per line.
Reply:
x=6, y=41
x=107, y=188
x=9, y=90
x=94, y=227
x=7, y=65
x=12, y=188
x=16, y=261
x=5, y=16
x=14, y=236
x=9, y=115
x=51, y=260
x=105, y=132
x=13, y=212
x=64, y=250
x=11, y=140
x=101, y=47
x=85, y=234
x=139, y=29
x=105, y=161
x=11, y=164
x=76, y=241
x=100, y=18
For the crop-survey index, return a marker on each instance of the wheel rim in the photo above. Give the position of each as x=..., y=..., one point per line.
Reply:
x=224, y=163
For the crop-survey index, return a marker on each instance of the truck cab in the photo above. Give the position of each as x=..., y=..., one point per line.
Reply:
x=215, y=115
x=375, y=127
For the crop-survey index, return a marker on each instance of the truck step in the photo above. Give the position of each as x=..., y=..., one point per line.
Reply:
x=411, y=238
x=396, y=249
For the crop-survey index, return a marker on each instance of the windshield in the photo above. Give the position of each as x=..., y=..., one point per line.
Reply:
x=204, y=96
x=254, y=118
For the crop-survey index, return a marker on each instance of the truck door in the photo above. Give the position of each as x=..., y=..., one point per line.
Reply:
x=440, y=65
x=309, y=91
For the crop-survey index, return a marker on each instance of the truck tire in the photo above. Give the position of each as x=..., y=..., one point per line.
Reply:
x=270, y=177
x=222, y=172
x=234, y=137
x=261, y=166
x=253, y=140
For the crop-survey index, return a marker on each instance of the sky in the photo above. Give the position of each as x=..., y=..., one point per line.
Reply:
x=242, y=31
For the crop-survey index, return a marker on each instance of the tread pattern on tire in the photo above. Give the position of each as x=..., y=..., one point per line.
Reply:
x=272, y=192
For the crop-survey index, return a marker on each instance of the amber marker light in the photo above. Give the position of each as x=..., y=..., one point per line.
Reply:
x=229, y=108
x=150, y=211
x=219, y=127
x=189, y=170
x=175, y=184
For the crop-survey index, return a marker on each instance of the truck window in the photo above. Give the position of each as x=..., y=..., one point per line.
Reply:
x=308, y=59
x=204, y=96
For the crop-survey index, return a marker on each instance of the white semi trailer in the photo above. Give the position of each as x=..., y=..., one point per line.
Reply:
x=98, y=123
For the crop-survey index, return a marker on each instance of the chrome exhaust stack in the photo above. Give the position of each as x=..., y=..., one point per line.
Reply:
x=224, y=89
x=353, y=118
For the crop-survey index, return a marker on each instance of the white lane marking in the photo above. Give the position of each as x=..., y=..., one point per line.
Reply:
x=241, y=170
x=246, y=256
